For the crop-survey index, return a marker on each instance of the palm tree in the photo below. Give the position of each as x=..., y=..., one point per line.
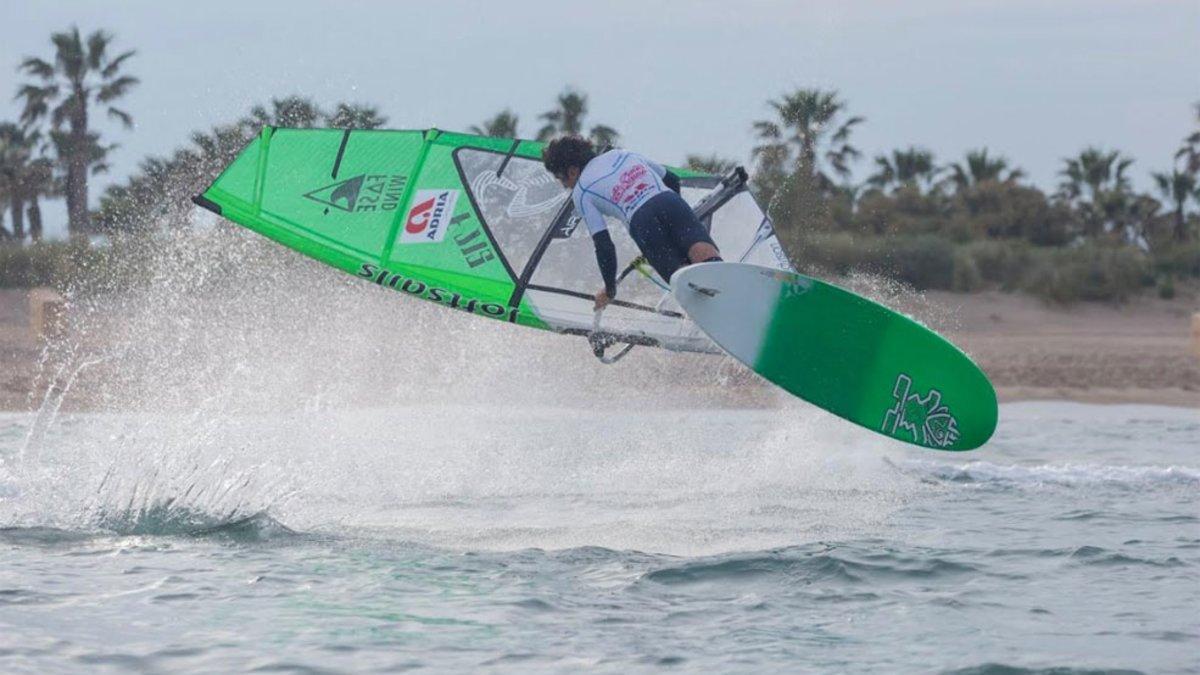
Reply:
x=710, y=164
x=771, y=170
x=1190, y=152
x=355, y=116
x=980, y=168
x=39, y=182
x=82, y=74
x=604, y=136
x=1101, y=175
x=16, y=148
x=503, y=125
x=1096, y=170
x=5, y=235
x=1178, y=187
x=914, y=166
x=809, y=124
x=568, y=117
x=23, y=178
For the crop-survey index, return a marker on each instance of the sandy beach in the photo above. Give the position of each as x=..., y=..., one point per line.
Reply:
x=1138, y=352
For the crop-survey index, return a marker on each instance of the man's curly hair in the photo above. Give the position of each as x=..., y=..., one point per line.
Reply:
x=563, y=153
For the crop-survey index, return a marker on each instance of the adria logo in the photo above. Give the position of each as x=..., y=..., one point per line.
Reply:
x=418, y=217
x=429, y=217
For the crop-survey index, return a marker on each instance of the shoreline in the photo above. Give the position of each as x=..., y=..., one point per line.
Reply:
x=1139, y=353
x=1167, y=397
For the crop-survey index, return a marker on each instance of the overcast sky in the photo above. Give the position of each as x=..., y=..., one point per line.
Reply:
x=1030, y=79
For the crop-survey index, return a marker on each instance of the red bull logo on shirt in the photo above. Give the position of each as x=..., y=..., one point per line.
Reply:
x=630, y=186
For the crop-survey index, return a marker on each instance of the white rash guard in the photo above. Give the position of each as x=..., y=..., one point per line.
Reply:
x=616, y=183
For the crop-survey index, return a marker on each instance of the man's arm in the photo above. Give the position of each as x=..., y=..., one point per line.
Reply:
x=672, y=182
x=606, y=251
x=606, y=258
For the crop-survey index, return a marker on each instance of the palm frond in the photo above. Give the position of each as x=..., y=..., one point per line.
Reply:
x=37, y=101
x=845, y=130
x=68, y=54
x=37, y=68
x=97, y=45
x=121, y=116
x=116, y=88
x=767, y=129
x=59, y=114
x=113, y=66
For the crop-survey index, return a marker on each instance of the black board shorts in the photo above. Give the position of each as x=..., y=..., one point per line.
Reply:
x=664, y=228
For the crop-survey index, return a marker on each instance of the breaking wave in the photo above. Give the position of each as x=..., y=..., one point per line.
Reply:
x=1061, y=475
x=811, y=564
x=159, y=522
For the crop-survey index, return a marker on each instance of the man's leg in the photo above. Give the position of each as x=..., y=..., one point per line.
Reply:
x=690, y=236
x=702, y=251
x=670, y=236
x=653, y=237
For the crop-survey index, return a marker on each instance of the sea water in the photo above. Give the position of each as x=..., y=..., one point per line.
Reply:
x=560, y=538
x=284, y=469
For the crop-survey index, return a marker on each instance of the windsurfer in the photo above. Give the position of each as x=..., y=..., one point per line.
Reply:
x=640, y=193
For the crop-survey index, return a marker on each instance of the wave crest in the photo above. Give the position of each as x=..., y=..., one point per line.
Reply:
x=1065, y=475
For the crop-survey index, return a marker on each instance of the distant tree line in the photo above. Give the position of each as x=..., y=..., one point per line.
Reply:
x=974, y=223
x=964, y=224
x=567, y=117
x=158, y=196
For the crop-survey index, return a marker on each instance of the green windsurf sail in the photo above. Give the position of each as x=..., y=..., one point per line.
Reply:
x=470, y=222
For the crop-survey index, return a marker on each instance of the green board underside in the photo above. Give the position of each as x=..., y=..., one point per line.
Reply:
x=875, y=367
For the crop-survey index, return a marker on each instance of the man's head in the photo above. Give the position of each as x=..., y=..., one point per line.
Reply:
x=565, y=158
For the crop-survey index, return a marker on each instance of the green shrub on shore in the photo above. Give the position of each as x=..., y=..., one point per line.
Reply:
x=1101, y=272
x=923, y=261
x=1001, y=264
x=1089, y=272
x=967, y=276
x=42, y=264
x=72, y=265
x=1180, y=259
x=1166, y=287
x=838, y=253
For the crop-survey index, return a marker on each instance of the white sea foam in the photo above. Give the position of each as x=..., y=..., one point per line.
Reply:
x=1061, y=474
